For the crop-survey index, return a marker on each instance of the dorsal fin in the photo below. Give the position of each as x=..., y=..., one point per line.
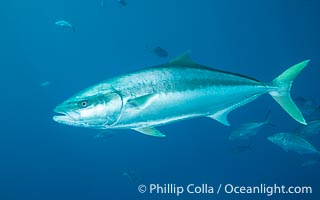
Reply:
x=183, y=59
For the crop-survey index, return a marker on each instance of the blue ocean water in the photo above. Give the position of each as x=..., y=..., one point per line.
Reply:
x=42, y=64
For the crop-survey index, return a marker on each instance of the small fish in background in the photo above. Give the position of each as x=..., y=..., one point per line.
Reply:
x=293, y=142
x=310, y=162
x=45, y=84
x=247, y=130
x=307, y=107
x=160, y=52
x=123, y=2
x=312, y=129
x=65, y=24
x=105, y=134
x=130, y=175
x=243, y=148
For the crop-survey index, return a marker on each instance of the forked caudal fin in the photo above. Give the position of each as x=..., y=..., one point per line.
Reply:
x=282, y=94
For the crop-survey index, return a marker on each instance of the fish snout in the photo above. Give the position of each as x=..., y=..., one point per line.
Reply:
x=271, y=139
x=65, y=117
x=70, y=118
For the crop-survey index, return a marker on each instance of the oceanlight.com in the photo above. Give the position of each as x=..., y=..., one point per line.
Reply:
x=178, y=190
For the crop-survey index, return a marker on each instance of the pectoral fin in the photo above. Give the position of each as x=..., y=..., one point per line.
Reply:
x=150, y=131
x=142, y=101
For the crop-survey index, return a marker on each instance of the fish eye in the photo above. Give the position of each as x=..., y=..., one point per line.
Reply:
x=283, y=140
x=83, y=104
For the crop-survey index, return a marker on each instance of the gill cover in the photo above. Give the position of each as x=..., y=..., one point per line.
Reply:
x=114, y=105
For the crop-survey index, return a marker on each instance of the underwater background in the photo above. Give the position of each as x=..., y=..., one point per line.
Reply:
x=43, y=64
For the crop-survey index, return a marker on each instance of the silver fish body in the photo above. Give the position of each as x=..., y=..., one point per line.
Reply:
x=309, y=108
x=167, y=93
x=293, y=142
x=312, y=129
x=177, y=93
x=246, y=130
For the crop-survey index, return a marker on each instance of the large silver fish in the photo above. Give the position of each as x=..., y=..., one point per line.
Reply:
x=178, y=90
x=293, y=142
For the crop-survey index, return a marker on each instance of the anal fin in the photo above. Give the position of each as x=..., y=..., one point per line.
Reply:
x=150, y=131
x=222, y=115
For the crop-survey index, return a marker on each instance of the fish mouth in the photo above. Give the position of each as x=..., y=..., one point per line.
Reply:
x=63, y=119
x=68, y=118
